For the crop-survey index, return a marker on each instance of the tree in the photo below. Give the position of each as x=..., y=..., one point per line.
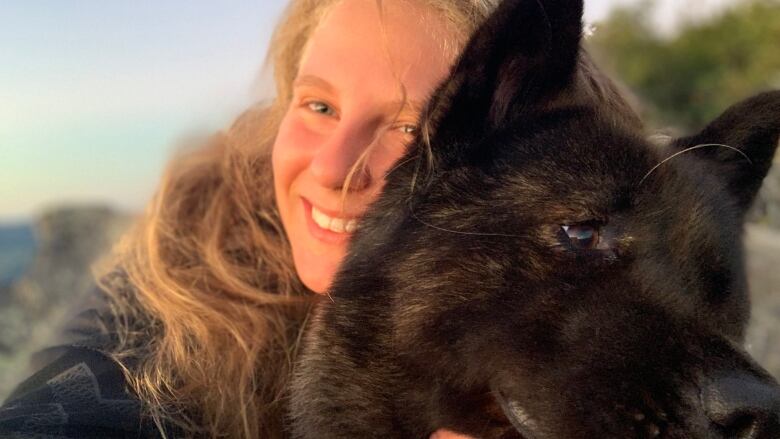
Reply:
x=689, y=78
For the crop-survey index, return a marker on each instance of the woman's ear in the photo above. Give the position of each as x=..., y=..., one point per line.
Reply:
x=526, y=52
x=749, y=132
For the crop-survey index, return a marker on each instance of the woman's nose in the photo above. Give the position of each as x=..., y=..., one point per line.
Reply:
x=344, y=152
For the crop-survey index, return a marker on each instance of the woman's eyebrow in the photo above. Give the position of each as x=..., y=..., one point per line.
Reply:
x=407, y=107
x=313, y=81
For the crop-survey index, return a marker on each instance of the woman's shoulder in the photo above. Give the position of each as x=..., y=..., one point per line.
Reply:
x=80, y=394
x=78, y=390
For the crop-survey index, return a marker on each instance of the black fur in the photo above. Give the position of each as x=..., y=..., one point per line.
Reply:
x=464, y=303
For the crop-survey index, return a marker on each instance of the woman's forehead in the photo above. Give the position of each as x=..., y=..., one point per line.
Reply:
x=356, y=39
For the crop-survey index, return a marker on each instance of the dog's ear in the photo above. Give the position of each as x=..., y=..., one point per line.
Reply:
x=523, y=54
x=741, y=143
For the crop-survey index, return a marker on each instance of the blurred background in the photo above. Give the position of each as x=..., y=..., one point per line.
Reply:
x=94, y=95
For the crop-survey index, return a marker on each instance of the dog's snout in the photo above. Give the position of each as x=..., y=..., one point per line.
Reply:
x=743, y=406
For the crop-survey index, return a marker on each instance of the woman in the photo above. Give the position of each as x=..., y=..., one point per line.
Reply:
x=206, y=308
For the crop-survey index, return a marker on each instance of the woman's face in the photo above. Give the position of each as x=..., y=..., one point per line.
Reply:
x=349, y=95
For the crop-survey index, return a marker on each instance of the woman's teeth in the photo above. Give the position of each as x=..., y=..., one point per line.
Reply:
x=338, y=225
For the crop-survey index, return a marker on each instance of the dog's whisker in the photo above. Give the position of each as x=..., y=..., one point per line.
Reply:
x=458, y=232
x=692, y=148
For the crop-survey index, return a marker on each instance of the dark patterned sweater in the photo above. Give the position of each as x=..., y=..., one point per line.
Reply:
x=78, y=392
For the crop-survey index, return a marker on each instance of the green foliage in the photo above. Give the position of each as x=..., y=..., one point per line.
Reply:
x=689, y=78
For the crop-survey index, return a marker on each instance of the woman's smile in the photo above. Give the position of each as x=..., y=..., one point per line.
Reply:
x=328, y=227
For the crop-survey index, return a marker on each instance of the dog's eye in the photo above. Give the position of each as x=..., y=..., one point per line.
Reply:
x=583, y=236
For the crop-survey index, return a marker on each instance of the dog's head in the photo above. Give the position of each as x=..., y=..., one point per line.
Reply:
x=539, y=247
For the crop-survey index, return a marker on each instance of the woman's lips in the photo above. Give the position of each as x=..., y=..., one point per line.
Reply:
x=327, y=228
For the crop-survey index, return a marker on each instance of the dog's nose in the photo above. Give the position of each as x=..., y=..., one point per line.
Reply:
x=743, y=406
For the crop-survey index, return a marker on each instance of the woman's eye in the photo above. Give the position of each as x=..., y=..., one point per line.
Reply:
x=583, y=236
x=408, y=129
x=321, y=107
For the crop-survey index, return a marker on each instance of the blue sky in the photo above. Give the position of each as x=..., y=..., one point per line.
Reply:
x=94, y=94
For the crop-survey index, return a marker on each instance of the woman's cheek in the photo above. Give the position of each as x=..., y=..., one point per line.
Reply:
x=294, y=132
x=392, y=147
x=293, y=147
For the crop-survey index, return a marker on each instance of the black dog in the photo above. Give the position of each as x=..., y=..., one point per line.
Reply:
x=545, y=272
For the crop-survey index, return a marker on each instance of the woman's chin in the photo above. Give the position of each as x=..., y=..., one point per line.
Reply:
x=318, y=285
x=316, y=271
